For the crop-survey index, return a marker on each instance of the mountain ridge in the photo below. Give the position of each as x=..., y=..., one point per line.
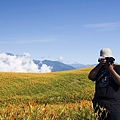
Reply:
x=24, y=63
x=55, y=65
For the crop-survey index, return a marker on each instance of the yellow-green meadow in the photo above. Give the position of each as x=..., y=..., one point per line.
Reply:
x=63, y=95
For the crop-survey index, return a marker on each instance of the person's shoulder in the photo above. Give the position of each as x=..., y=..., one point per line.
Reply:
x=117, y=67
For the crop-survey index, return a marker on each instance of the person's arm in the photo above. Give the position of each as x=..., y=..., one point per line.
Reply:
x=93, y=72
x=114, y=74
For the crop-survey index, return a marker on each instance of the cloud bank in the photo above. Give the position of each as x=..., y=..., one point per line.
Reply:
x=23, y=63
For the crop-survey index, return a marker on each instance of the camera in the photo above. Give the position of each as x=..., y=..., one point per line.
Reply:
x=109, y=60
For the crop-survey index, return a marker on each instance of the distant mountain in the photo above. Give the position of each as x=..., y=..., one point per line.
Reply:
x=56, y=65
x=10, y=54
x=26, y=63
x=78, y=65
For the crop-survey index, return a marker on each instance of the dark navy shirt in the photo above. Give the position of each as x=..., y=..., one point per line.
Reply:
x=107, y=91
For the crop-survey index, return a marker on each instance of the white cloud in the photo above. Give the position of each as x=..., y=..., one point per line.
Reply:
x=45, y=68
x=24, y=63
x=105, y=26
x=60, y=58
x=27, y=40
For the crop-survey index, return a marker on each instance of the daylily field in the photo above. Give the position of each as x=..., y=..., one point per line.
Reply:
x=63, y=95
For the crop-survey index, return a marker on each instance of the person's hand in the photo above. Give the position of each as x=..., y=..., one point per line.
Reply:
x=109, y=67
x=102, y=61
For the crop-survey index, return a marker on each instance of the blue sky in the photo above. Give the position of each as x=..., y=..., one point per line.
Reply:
x=68, y=30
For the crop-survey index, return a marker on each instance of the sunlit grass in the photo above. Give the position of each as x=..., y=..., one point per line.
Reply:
x=63, y=95
x=32, y=111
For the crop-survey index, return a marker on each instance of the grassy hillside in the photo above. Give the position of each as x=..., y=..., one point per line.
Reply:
x=67, y=86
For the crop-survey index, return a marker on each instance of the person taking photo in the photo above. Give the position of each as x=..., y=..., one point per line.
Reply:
x=106, y=75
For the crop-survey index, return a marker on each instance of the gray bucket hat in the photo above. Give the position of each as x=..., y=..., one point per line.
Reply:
x=105, y=52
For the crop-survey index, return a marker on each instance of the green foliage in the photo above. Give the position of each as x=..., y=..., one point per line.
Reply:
x=46, y=96
x=67, y=86
x=33, y=111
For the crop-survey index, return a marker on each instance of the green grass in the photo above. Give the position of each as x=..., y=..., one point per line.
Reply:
x=56, y=87
x=63, y=95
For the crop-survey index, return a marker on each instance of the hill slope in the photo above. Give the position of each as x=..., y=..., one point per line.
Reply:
x=55, y=65
x=67, y=86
